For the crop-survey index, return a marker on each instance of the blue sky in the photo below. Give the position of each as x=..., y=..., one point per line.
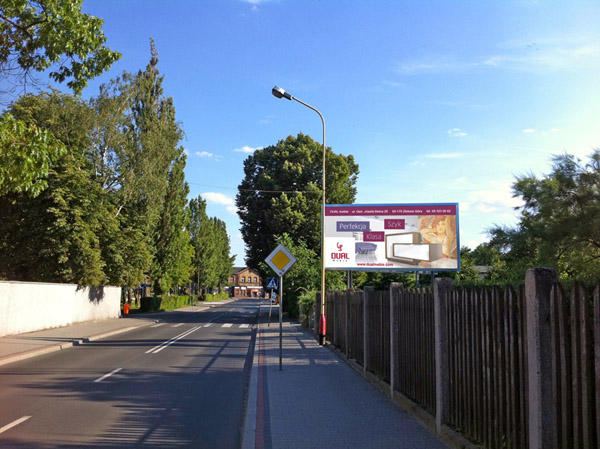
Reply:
x=437, y=101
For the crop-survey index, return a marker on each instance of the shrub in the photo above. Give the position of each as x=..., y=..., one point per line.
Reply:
x=158, y=303
x=150, y=303
x=306, y=304
x=216, y=297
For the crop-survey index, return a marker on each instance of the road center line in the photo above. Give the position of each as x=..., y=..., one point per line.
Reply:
x=100, y=379
x=160, y=347
x=14, y=423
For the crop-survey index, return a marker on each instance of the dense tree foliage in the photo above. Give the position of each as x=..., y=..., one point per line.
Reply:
x=114, y=207
x=51, y=34
x=173, y=250
x=212, y=263
x=281, y=193
x=34, y=36
x=559, y=225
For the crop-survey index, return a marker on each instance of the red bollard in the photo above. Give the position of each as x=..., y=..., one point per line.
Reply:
x=322, y=330
x=126, y=308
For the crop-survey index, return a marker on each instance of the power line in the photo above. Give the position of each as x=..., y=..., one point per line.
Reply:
x=254, y=190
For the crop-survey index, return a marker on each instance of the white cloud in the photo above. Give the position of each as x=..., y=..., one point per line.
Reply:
x=561, y=53
x=205, y=154
x=218, y=198
x=266, y=120
x=445, y=155
x=456, y=132
x=498, y=199
x=208, y=155
x=474, y=243
x=529, y=131
x=247, y=149
x=232, y=210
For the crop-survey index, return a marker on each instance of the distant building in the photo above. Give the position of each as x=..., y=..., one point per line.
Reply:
x=245, y=282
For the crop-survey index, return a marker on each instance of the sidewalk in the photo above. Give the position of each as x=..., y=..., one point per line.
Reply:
x=318, y=401
x=31, y=344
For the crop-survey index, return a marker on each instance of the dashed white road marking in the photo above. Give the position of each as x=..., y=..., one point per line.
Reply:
x=158, y=325
x=227, y=325
x=14, y=423
x=100, y=379
x=244, y=325
x=177, y=325
x=208, y=325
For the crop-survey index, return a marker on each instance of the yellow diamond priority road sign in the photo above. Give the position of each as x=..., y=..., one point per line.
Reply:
x=280, y=260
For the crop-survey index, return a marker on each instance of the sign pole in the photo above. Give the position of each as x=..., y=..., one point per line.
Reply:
x=270, y=307
x=280, y=260
x=280, y=323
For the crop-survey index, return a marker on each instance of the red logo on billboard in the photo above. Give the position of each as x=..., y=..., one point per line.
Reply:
x=340, y=255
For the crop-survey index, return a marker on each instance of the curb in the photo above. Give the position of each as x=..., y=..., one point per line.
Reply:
x=5, y=360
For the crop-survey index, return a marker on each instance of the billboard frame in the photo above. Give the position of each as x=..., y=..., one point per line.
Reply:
x=399, y=241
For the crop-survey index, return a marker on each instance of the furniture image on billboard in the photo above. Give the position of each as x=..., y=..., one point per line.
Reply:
x=407, y=248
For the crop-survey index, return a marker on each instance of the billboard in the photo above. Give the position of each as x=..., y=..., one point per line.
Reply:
x=391, y=237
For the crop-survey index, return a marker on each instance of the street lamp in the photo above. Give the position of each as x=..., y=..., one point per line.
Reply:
x=280, y=93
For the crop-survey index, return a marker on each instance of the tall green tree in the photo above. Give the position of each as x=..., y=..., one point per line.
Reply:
x=172, y=264
x=116, y=196
x=559, y=226
x=223, y=261
x=56, y=235
x=282, y=192
x=212, y=261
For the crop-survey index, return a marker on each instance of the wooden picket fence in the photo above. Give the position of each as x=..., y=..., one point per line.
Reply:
x=497, y=368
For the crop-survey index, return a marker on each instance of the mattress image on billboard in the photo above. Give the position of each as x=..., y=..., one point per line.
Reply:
x=407, y=247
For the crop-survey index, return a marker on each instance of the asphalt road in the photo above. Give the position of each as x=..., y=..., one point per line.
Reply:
x=179, y=383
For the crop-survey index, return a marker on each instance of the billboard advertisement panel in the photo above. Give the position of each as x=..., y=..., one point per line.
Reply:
x=391, y=237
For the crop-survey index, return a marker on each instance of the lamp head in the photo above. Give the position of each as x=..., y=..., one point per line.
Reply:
x=280, y=93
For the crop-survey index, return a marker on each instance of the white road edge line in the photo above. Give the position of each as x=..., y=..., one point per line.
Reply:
x=100, y=379
x=14, y=423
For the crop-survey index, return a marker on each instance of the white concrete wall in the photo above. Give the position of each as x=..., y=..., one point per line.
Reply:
x=31, y=306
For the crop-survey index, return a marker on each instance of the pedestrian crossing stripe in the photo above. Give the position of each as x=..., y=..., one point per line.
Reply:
x=227, y=325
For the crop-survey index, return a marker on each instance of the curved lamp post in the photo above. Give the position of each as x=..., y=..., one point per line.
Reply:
x=280, y=93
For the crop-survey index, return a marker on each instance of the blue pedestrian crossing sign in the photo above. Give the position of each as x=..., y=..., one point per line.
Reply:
x=272, y=283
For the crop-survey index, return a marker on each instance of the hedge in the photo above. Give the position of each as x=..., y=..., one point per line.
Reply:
x=158, y=303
